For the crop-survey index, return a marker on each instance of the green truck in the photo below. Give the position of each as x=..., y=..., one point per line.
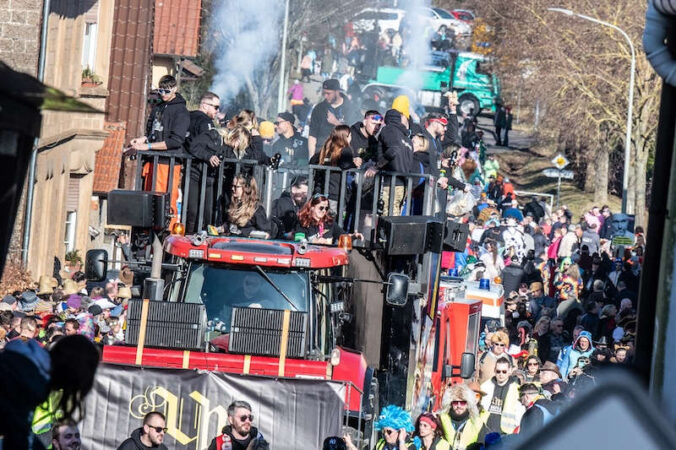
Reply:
x=463, y=72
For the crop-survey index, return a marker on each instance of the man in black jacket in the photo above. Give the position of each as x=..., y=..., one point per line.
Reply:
x=287, y=206
x=166, y=130
x=203, y=143
x=396, y=155
x=240, y=433
x=364, y=142
x=149, y=436
x=336, y=109
x=290, y=143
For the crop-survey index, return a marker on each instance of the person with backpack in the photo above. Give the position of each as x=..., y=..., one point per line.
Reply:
x=539, y=410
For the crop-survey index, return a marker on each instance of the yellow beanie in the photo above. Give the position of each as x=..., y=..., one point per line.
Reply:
x=266, y=129
x=402, y=104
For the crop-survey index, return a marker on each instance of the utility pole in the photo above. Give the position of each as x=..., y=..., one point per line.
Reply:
x=281, y=104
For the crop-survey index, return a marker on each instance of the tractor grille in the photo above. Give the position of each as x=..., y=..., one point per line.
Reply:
x=170, y=325
x=256, y=331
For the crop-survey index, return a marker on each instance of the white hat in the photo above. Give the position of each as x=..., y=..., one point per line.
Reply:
x=104, y=303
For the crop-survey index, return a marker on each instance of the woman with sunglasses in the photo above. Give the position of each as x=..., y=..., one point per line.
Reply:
x=315, y=222
x=245, y=214
x=396, y=426
x=428, y=429
x=530, y=372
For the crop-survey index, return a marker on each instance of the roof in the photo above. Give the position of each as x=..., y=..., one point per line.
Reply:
x=266, y=253
x=109, y=158
x=177, y=26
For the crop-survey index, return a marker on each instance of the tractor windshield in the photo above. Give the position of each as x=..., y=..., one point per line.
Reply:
x=220, y=288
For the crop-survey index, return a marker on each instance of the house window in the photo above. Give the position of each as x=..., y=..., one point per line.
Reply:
x=72, y=200
x=89, y=46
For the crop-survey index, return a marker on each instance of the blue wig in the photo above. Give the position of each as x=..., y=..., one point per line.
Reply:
x=396, y=418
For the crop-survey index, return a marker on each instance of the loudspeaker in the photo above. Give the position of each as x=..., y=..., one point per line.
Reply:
x=410, y=235
x=170, y=325
x=455, y=236
x=139, y=209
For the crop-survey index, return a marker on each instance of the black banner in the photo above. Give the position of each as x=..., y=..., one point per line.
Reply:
x=290, y=413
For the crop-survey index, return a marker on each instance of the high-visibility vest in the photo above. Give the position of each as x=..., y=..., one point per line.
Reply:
x=381, y=444
x=512, y=409
x=468, y=434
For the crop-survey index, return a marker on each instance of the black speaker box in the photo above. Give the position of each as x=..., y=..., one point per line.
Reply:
x=138, y=208
x=170, y=325
x=455, y=236
x=410, y=235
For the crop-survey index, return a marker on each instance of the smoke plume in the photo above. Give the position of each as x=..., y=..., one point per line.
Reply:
x=416, y=42
x=246, y=35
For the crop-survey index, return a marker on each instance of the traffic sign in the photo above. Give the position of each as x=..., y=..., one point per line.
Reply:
x=560, y=161
x=556, y=173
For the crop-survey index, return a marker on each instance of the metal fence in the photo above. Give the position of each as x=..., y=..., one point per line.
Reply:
x=358, y=198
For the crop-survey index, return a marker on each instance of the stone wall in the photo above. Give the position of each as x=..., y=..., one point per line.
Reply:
x=20, y=22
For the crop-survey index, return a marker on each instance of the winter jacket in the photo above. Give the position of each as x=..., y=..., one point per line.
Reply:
x=535, y=209
x=396, y=148
x=537, y=416
x=592, y=240
x=468, y=432
x=512, y=277
x=168, y=122
x=199, y=123
x=567, y=245
x=257, y=442
x=134, y=442
x=540, y=243
x=365, y=147
x=258, y=222
x=570, y=354
x=452, y=135
x=491, y=168
x=345, y=162
x=286, y=211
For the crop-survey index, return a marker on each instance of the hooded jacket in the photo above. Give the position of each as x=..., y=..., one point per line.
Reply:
x=396, y=148
x=363, y=146
x=569, y=355
x=134, y=443
x=169, y=122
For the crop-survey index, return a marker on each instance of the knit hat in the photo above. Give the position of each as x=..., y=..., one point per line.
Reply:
x=267, y=129
x=28, y=300
x=403, y=105
x=95, y=310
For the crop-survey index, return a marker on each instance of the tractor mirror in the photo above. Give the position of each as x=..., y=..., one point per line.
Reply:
x=467, y=365
x=96, y=265
x=397, y=289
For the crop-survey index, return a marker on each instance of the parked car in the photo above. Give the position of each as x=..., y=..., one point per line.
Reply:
x=440, y=17
x=464, y=15
x=384, y=18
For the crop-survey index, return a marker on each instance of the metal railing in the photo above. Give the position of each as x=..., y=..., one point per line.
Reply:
x=358, y=197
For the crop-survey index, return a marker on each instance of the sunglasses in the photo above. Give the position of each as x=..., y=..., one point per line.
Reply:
x=278, y=122
x=164, y=91
x=216, y=107
x=323, y=208
x=459, y=402
x=158, y=429
x=500, y=371
x=245, y=417
x=498, y=344
x=377, y=117
x=389, y=431
x=533, y=364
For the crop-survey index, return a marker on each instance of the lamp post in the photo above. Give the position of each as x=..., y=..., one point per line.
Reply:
x=281, y=104
x=630, y=108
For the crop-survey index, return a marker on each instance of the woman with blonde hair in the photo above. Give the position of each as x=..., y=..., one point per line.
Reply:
x=499, y=344
x=245, y=214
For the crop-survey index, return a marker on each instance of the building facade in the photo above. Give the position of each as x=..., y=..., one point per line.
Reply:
x=77, y=63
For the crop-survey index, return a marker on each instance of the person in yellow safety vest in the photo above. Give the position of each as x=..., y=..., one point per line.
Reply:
x=397, y=429
x=461, y=423
x=502, y=399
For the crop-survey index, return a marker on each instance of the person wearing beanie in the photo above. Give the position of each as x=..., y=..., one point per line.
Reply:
x=290, y=143
x=403, y=105
x=396, y=156
x=336, y=109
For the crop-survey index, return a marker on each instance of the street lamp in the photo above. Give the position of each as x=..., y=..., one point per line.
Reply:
x=281, y=104
x=630, y=109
